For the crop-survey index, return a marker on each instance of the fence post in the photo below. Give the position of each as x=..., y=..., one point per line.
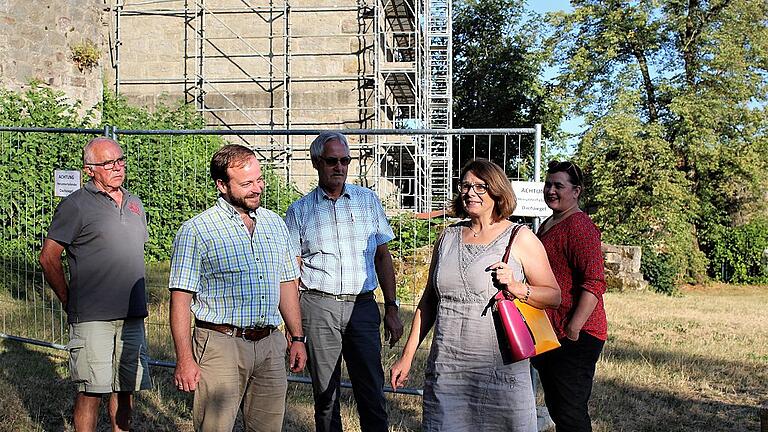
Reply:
x=537, y=166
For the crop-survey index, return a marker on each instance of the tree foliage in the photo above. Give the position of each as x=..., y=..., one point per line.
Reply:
x=497, y=67
x=675, y=97
x=648, y=201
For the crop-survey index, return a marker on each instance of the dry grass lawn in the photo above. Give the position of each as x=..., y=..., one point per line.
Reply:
x=696, y=362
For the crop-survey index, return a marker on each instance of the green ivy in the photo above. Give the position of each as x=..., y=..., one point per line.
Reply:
x=738, y=254
x=169, y=173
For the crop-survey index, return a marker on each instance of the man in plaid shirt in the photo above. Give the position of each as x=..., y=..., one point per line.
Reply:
x=339, y=234
x=233, y=266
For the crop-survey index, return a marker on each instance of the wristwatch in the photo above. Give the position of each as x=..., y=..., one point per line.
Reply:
x=302, y=339
x=395, y=303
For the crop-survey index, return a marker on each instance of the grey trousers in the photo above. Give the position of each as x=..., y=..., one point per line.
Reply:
x=350, y=330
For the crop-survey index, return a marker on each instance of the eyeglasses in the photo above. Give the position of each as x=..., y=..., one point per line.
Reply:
x=110, y=164
x=479, y=188
x=332, y=161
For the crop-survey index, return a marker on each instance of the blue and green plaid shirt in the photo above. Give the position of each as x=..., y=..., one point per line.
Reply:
x=235, y=277
x=337, y=240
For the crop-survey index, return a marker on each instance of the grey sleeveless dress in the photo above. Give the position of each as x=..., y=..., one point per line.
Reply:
x=467, y=387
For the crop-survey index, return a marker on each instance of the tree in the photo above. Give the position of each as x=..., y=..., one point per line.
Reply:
x=695, y=72
x=648, y=203
x=497, y=67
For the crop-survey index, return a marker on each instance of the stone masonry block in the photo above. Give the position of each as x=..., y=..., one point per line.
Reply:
x=612, y=257
x=350, y=26
x=637, y=254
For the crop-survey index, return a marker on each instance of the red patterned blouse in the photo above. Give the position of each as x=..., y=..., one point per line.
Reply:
x=573, y=247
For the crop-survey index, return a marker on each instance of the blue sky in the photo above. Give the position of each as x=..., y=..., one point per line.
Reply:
x=549, y=6
x=574, y=125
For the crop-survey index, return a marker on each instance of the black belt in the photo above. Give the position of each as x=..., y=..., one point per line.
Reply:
x=247, y=333
x=341, y=297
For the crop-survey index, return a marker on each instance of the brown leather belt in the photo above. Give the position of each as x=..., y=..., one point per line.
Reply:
x=342, y=297
x=247, y=333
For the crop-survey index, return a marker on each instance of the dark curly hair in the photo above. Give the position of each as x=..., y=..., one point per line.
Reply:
x=575, y=175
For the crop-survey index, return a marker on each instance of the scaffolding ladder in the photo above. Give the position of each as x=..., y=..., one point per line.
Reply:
x=437, y=154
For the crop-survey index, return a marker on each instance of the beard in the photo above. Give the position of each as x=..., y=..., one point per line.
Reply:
x=247, y=203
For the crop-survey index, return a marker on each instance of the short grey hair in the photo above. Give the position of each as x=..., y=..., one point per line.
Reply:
x=88, y=149
x=318, y=145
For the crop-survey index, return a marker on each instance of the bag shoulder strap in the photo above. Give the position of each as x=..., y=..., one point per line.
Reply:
x=501, y=295
x=512, y=236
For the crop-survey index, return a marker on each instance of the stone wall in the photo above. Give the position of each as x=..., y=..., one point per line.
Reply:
x=622, y=268
x=37, y=39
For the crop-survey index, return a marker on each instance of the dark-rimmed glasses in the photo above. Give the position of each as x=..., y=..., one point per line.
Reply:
x=110, y=164
x=479, y=188
x=332, y=161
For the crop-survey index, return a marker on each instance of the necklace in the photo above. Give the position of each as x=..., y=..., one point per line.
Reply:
x=477, y=233
x=474, y=233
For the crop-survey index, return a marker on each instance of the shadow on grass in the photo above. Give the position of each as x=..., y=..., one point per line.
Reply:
x=40, y=398
x=718, y=395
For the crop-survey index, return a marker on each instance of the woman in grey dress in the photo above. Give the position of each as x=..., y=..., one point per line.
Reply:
x=467, y=385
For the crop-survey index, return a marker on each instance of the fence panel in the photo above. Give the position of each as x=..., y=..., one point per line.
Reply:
x=169, y=171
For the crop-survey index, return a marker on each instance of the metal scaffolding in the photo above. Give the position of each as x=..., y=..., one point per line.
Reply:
x=311, y=64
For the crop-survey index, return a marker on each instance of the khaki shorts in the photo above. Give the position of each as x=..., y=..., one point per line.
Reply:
x=108, y=356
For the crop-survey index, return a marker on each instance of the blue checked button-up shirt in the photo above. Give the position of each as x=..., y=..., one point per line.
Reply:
x=235, y=277
x=337, y=240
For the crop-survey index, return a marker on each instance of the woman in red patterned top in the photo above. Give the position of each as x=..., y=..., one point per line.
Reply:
x=572, y=242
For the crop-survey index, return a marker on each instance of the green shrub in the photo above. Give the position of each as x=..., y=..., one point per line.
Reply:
x=278, y=193
x=27, y=161
x=659, y=270
x=169, y=173
x=737, y=254
x=412, y=233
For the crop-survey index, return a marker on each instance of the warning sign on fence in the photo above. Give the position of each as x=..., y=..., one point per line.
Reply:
x=530, y=199
x=65, y=182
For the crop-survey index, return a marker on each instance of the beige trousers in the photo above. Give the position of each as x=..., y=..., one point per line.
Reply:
x=235, y=374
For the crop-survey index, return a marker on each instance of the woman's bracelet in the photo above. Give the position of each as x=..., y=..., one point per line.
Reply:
x=527, y=293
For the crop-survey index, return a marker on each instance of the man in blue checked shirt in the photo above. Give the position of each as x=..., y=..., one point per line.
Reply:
x=234, y=267
x=339, y=234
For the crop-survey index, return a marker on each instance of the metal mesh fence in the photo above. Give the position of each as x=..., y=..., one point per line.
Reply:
x=168, y=170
